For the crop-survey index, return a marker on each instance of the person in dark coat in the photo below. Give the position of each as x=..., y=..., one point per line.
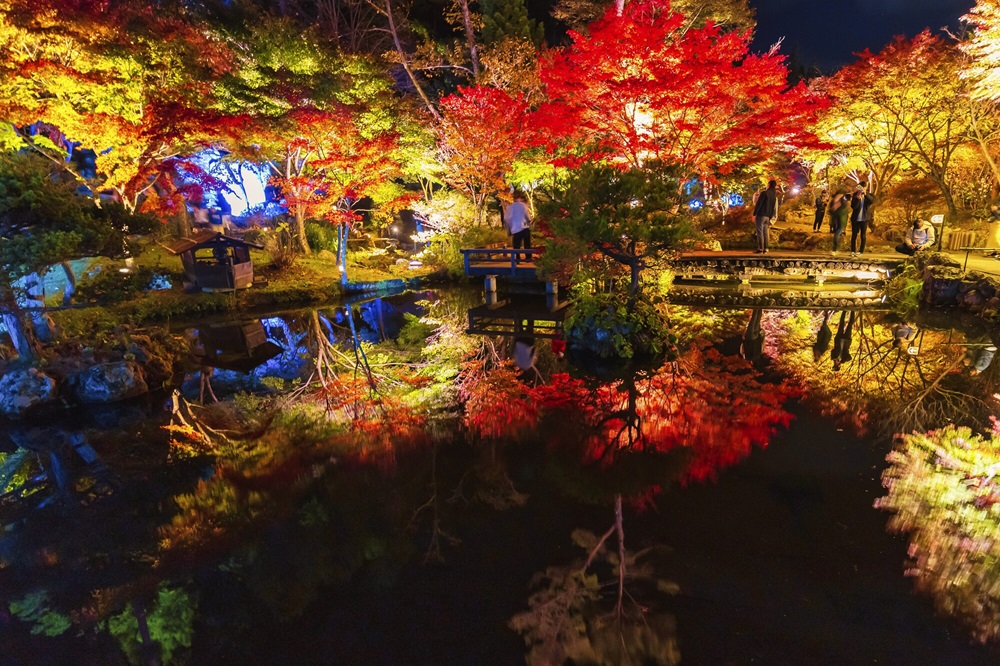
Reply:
x=764, y=212
x=752, y=348
x=820, y=211
x=862, y=212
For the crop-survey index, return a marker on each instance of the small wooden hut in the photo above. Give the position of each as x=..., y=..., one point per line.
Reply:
x=214, y=261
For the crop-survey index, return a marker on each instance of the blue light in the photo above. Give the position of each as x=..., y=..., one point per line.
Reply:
x=696, y=204
x=733, y=200
x=245, y=180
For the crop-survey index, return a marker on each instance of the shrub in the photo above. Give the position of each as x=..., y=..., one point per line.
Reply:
x=109, y=286
x=280, y=245
x=321, y=236
x=602, y=324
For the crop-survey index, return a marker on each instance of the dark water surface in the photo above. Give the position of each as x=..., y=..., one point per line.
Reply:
x=768, y=547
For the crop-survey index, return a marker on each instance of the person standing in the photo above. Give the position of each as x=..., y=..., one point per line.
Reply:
x=517, y=217
x=862, y=204
x=764, y=211
x=820, y=211
x=840, y=212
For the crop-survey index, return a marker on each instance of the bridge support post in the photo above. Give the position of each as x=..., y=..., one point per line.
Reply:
x=490, y=288
x=552, y=295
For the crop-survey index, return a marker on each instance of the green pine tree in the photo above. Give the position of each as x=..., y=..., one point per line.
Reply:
x=508, y=18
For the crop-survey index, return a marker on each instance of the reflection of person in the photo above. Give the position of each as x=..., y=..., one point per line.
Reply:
x=862, y=210
x=764, y=212
x=903, y=333
x=842, y=341
x=524, y=353
x=820, y=211
x=919, y=237
x=823, y=336
x=977, y=359
x=752, y=348
x=840, y=212
x=517, y=218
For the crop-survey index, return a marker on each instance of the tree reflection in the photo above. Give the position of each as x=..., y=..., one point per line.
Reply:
x=943, y=490
x=271, y=499
x=890, y=374
x=623, y=442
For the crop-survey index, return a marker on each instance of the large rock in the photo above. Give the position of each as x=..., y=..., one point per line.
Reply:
x=21, y=390
x=110, y=382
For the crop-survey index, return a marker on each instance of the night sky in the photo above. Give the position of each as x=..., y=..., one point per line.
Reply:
x=827, y=32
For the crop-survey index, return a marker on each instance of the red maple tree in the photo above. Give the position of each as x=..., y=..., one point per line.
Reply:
x=643, y=85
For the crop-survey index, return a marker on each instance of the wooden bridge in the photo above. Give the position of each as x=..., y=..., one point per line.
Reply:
x=747, y=266
x=842, y=296
x=533, y=316
x=742, y=265
x=501, y=261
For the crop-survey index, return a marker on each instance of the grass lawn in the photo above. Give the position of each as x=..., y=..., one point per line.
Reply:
x=310, y=279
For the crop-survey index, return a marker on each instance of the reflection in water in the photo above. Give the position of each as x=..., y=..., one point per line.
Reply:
x=823, y=337
x=381, y=437
x=842, y=340
x=943, y=490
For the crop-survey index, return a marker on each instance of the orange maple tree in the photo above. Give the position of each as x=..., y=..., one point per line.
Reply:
x=481, y=131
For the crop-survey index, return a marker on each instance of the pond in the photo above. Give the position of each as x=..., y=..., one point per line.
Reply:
x=431, y=496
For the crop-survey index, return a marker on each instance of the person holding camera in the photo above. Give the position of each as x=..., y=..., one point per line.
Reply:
x=862, y=205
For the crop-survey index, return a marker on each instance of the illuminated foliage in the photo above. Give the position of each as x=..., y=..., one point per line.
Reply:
x=169, y=623
x=727, y=14
x=127, y=80
x=894, y=127
x=883, y=388
x=629, y=216
x=640, y=86
x=943, y=492
x=683, y=405
x=325, y=126
x=482, y=130
x=496, y=401
x=983, y=49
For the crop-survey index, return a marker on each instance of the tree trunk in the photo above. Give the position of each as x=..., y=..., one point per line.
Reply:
x=21, y=335
x=949, y=198
x=300, y=230
x=148, y=649
x=70, y=283
x=404, y=60
x=619, y=7
x=182, y=223
x=470, y=36
x=41, y=323
x=620, y=529
x=342, y=252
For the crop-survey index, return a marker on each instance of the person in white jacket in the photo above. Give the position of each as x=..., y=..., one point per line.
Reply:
x=517, y=219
